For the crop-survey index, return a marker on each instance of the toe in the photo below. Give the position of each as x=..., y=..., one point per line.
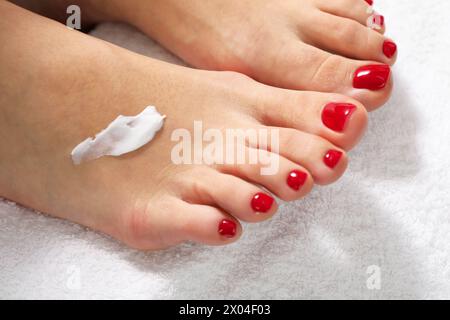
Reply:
x=233, y=195
x=325, y=161
x=357, y=10
x=371, y=84
x=336, y=118
x=287, y=180
x=169, y=221
x=207, y=225
x=303, y=67
x=349, y=38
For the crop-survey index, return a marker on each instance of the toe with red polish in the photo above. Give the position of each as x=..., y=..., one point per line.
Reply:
x=261, y=202
x=336, y=115
x=372, y=77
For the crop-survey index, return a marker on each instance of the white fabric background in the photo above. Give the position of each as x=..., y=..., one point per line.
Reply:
x=391, y=209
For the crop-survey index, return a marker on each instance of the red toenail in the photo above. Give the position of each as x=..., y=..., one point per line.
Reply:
x=378, y=19
x=227, y=228
x=335, y=115
x=296, y=179
x=332, y=158
x=389, y=48
x=372, y=77
x=370, y=2
x=262, y=202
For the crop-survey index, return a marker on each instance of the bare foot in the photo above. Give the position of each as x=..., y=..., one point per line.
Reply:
x=50, y=100
x=317, y=45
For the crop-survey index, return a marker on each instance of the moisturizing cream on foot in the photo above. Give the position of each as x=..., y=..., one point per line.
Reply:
x=123, y=135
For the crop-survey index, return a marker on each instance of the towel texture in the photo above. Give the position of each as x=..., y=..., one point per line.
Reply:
x=382, y=231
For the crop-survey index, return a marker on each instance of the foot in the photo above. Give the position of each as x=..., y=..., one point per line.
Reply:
x=143, y=198
x=317, y=45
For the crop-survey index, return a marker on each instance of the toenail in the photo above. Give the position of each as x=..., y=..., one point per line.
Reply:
x=389, y=48
x=372, y=77
x=332, y=158
x=262, y=202
x=378, y=19
x=370, y=2
x=227, y=228
x=336, y=115
x=296, y=179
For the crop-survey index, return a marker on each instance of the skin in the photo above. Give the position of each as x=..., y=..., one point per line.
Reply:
x=314, y=45
x=51, y=100
x=296, y=44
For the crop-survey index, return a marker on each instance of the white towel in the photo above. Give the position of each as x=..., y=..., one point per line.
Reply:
x=382, y=231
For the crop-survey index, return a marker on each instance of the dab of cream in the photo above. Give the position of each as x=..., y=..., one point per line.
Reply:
x=123, y=135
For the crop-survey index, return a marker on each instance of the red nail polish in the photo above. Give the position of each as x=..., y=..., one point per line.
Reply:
x=262, y=202
x=372, y=77
x=378, y=19
x=389, y=48
x=332, y=158
x=335, y=115
x=296, y=179
x=370, y=2
x=227, y=228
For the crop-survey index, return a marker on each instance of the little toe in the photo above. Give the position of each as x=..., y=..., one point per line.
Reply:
x=207, y=225
x=170, y=221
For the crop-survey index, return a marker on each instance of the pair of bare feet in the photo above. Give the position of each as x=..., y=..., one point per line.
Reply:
x=322, y=70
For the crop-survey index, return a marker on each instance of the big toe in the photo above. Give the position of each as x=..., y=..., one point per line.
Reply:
x=303, y=67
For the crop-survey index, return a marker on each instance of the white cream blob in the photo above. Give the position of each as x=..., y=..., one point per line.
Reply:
x=123, y=135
